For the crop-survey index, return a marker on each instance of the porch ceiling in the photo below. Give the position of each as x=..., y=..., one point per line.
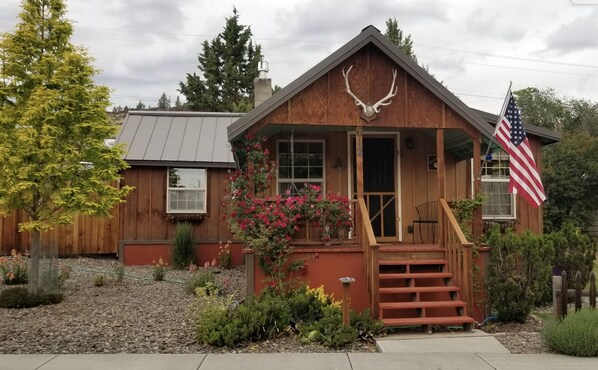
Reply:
x=455, y=141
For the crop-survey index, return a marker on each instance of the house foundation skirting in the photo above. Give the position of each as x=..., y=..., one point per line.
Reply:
x=323, y=266
x=146, y=252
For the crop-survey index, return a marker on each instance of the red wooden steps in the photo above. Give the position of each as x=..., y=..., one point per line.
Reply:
x=420, y=289
x=420, y=304
x=421, y=275
x=431, y=299
x=447, y=321
x=412, y=262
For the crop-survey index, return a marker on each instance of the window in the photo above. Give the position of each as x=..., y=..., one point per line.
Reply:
x=495, y=184
x=300, y=162
x=186, y=190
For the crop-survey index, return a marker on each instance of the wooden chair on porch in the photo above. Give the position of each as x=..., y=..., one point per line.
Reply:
x=427, y=213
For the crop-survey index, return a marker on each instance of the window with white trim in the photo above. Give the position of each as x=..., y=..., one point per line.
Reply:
x=300, y=162
x=186, y=190
x=495, y=184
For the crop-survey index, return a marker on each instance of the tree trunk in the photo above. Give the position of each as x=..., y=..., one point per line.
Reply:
x=34, y=250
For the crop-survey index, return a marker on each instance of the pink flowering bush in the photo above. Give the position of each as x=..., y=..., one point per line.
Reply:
x=14, y=269
x=267, y=224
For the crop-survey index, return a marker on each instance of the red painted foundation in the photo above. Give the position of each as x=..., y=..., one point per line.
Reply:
x=146, y=254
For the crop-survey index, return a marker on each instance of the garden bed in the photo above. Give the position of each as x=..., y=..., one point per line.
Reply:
x=137, y=315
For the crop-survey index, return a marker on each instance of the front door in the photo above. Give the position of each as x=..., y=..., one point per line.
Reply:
x=380, y=185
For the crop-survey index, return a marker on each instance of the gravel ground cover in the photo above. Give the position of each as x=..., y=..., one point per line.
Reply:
x=139, y=315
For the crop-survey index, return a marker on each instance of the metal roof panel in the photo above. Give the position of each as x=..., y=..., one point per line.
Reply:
x=156, y=145
x=193, y=132
x=142, y=137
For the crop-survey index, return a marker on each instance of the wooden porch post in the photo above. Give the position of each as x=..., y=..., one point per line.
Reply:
x=359, y=160
x=477, y=226
x=441, y=176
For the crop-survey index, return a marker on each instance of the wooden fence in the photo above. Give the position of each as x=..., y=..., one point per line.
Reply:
x=560, y=300
x=85, y=236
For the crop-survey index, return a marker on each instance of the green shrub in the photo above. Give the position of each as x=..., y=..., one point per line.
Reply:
x=575, y=335
x=365, y=326
x=329, y=330
x=14, y=270
x=218, y=324
x=159, y=270
x=201, y=279
x=304, y=306
x=99, y=280
x=119, y=272
x=573, y=251
x=183, y=246
x=520, y=270
x=19, y=297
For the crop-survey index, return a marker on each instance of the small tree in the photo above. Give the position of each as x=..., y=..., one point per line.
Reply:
x=53, y=123
x=164, y=102
x=140, y=106
x=395, y=35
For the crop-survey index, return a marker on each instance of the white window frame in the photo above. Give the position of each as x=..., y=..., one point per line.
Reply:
x=200, y=189
x=489, y=178
x=301, y=181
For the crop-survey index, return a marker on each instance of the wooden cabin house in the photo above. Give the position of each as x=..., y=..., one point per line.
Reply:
x=179, y=163
x=369, y=123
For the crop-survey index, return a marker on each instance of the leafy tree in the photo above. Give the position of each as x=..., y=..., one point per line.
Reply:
x=140, y=106
x=570, y=177
x=228, y=66
x=164, y=102
x=53, y=123
x=395, y=35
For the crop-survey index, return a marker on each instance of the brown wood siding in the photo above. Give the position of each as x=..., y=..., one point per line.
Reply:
x=86, y=235
x=144, y=213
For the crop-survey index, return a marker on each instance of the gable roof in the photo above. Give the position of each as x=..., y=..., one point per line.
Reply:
x=177, y=138
x=369, y=35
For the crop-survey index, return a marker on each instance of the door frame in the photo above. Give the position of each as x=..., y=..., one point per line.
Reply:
x=382, y=134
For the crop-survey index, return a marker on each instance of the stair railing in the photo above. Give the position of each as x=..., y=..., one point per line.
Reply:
x=369, y=245
x=458, y=252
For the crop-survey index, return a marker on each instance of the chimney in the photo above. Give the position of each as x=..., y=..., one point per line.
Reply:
x=262, y=85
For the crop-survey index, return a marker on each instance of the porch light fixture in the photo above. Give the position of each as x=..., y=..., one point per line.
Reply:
x=409, y=143
x=338, y=164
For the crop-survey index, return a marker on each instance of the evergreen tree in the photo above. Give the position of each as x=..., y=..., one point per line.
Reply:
x=164, y=102
x=140, y=106
x=126, y=109
x=177, y=103
x=395, y=35
x=53, y=123
x=228, y=66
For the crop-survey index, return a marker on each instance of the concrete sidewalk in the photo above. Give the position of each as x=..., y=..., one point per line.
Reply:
x=466, y=351
x=299, y=361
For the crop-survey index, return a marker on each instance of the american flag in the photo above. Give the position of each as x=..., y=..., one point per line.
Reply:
x=524, y=177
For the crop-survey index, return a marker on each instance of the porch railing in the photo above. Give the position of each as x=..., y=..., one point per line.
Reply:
x=458, y=253
x=367, y=242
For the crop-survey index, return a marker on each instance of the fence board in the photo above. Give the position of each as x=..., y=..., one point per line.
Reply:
x=87, y=235
x=560, y=293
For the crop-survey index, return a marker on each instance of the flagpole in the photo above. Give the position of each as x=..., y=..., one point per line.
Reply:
x=504, y=104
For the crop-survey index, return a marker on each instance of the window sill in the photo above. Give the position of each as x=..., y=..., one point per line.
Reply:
x=193, y=218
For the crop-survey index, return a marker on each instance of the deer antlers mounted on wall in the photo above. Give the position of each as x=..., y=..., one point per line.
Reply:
x=370, y=111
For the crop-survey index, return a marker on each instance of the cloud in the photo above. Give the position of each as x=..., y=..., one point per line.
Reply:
x=494, y=26
x=577, y=35
x=150, y=18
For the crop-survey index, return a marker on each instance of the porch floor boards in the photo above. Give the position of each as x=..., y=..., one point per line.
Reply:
x=415, y=288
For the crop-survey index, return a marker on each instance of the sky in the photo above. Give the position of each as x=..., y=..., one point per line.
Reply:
x=475, y=47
